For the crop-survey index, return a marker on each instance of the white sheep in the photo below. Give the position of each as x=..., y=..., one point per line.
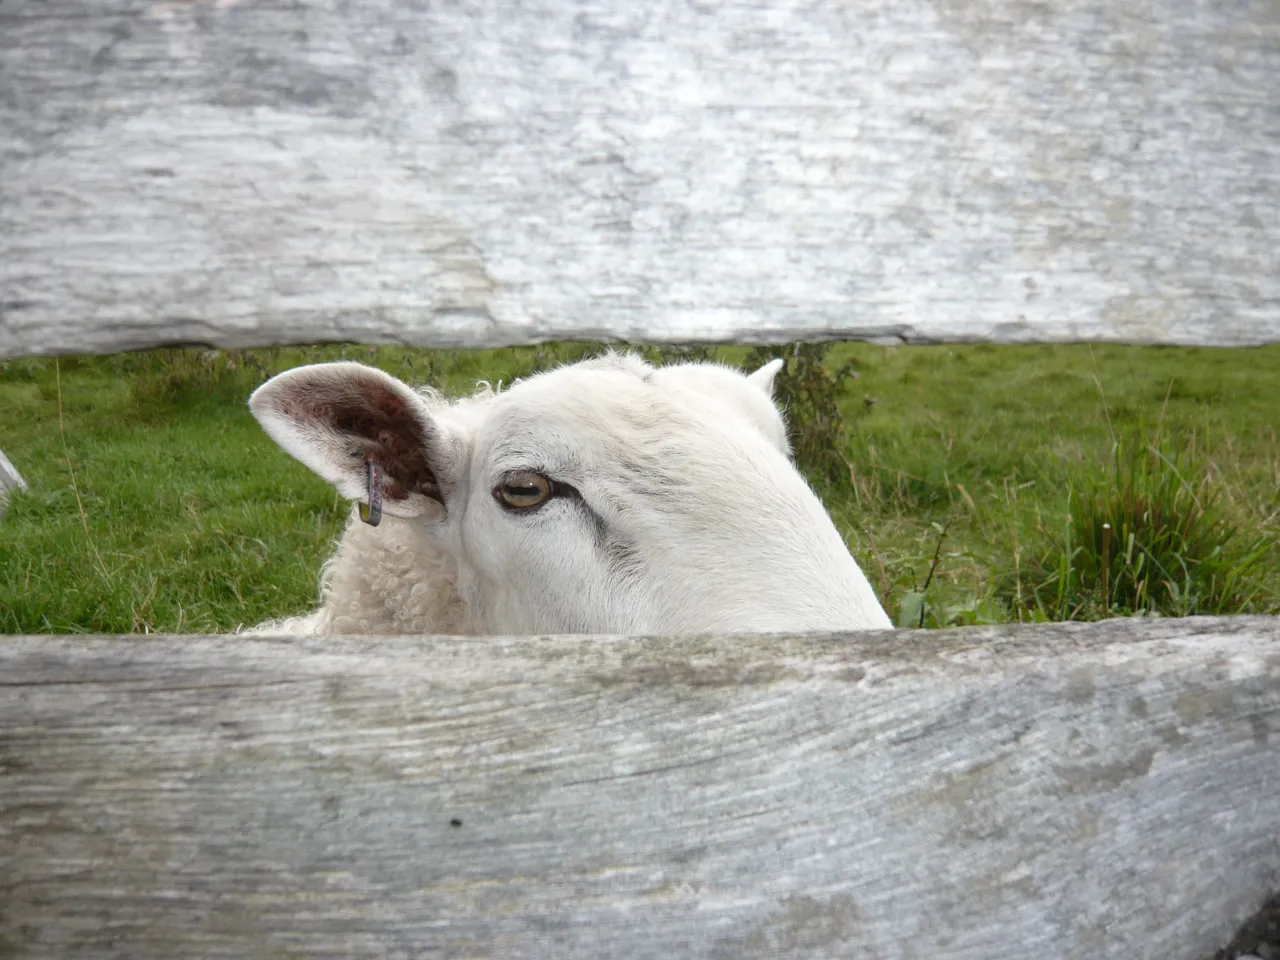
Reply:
x=608, y=496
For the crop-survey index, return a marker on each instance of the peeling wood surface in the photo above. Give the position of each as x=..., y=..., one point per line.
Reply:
x=1068, y=791
x=459, y=173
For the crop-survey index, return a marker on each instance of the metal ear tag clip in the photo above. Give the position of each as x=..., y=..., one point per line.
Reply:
x=371, y=512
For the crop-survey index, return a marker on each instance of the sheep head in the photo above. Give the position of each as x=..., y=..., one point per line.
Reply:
x=607, y=496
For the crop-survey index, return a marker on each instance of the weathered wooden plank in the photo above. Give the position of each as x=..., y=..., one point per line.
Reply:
x=458, y=173
x=1062, y=791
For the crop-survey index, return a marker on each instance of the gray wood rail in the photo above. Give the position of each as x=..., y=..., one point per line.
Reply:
x=1064, y=791
x=461, y=173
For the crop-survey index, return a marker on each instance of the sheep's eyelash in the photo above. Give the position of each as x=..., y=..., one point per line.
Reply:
x=505, y=473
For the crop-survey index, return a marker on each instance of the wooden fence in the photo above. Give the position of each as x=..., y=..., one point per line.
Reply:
x=245, y=172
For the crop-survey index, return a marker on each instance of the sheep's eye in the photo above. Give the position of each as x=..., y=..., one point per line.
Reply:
x=524, y=491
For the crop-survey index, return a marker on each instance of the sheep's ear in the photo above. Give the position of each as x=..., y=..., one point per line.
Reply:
x=334, y=417
x=763, y=378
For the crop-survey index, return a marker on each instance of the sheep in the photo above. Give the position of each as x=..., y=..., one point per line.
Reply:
x=608, y=496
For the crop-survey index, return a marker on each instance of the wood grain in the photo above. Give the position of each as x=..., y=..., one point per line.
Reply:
x=459, y=173
x=1065, y=791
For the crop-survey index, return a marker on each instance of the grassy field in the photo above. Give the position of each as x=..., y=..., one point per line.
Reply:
x=158, y=504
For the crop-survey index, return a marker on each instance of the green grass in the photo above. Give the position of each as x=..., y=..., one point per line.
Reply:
x=1151, y=533
x=188, y=518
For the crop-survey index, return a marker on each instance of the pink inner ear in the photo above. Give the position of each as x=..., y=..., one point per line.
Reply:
x=380, y=426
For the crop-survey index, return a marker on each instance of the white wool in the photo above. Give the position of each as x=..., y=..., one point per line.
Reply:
x=683, y=512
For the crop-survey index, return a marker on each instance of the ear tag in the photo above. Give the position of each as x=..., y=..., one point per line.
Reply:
x=371, y=512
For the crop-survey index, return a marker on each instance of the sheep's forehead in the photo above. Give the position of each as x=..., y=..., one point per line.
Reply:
x=591, y=411
x=586, y=401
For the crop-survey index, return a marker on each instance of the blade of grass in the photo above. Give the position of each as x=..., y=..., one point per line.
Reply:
x=75, y=488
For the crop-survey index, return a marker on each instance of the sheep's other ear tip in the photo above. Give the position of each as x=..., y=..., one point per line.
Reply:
x=763, y=377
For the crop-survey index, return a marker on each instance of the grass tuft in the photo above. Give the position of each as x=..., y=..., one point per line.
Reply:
x=1151, y=534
